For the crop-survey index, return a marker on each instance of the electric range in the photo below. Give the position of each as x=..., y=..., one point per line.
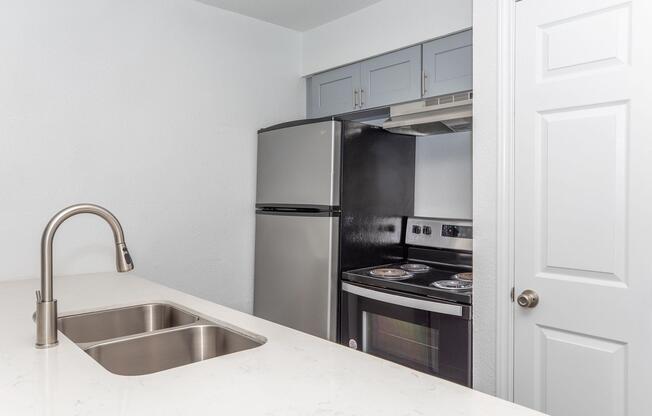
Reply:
x=416, y=311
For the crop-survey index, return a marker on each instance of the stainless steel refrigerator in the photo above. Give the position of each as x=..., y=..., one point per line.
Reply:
x=331, y=195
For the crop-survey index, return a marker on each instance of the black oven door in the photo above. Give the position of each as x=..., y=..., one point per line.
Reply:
x=426, y=335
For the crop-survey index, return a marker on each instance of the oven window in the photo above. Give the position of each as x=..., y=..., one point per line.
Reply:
x=403, y=342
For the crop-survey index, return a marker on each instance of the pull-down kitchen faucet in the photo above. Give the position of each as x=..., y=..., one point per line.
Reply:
x=46, y=306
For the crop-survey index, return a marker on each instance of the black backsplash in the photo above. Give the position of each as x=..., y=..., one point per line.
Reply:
x=377, y=194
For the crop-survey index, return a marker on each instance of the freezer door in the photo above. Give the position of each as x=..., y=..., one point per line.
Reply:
x=300, y=165
x=296, y=272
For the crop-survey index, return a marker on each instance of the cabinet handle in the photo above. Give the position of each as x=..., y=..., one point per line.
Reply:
x=361, y=97
x=424, y=80
x=355, y=98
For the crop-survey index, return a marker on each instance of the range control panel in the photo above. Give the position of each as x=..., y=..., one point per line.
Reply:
x=439, y=233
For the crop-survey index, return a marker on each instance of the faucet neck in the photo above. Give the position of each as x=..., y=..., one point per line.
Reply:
x=48, y=238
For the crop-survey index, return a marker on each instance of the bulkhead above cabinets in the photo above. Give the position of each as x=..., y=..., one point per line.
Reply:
x=439, y=67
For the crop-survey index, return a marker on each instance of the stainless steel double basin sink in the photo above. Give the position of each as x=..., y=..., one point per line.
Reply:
x=145, y=339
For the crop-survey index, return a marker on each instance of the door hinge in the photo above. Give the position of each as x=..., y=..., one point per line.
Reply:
x=511, y=294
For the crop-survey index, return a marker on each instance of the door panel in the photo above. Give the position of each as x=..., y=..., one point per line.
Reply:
x=391, y=78
x=300, y=165
x=295, y=281
x=573, y=243
x=334, y=92
x=598, y=365
x=448, y=64
x=583, y=159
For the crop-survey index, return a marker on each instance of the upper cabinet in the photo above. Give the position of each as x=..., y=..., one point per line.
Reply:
x=386, y=79
x=440, y=67
x=391, y=78
x=334, y=92
x=448, y=65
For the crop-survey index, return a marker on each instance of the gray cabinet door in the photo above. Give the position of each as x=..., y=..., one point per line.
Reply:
x=334, y=92
x=447, y=64
x=391, y=78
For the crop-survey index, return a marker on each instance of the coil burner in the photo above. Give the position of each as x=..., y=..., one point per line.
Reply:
x=465, y=277
x=452, y=284
x=415, y=267
x=390, y=273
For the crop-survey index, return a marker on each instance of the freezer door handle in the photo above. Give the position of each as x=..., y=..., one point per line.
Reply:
x=422, y=305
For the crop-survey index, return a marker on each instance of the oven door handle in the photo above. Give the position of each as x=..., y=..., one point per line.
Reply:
x=423, y=305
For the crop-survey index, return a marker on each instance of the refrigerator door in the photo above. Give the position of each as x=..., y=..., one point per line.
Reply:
x=299, y=166
x=296, y=271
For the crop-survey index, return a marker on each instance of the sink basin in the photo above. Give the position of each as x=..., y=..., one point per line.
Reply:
x=120, y=322
x=145, y=339
x=156, y=352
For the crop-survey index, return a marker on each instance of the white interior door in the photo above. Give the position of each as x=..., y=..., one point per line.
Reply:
x=583, y=206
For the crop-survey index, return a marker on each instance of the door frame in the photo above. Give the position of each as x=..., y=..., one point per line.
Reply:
x=505, y=263
x=494, y=50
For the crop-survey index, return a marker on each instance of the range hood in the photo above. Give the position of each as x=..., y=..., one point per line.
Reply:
x=439, y=115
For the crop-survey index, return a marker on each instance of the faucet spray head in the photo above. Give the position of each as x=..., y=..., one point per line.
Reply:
x=123, y=261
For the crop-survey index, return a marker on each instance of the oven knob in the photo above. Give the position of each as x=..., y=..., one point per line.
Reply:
x=416, y=229
x=427, y=230
x=353, y=344
x=450, y=231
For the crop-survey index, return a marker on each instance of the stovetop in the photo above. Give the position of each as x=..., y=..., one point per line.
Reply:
x=418, y=283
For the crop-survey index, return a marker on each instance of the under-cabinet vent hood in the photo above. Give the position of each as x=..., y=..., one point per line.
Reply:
x=439, y=115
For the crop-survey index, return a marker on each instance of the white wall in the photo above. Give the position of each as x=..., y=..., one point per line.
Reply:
x=147, y=107
x=444, y=176
x=382, y=27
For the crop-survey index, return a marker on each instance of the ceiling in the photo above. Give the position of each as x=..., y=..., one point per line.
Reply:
x=299, y=15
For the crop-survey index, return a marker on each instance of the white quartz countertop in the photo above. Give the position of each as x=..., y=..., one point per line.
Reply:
x=292, y=374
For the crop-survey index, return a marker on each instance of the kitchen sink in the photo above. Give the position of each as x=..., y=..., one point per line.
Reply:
x=152, y=353
x=144, y=339
x=120, y=322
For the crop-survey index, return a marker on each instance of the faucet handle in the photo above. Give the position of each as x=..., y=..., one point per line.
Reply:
x=39, y=298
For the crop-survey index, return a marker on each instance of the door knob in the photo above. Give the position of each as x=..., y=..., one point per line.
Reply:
x=528, y=299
